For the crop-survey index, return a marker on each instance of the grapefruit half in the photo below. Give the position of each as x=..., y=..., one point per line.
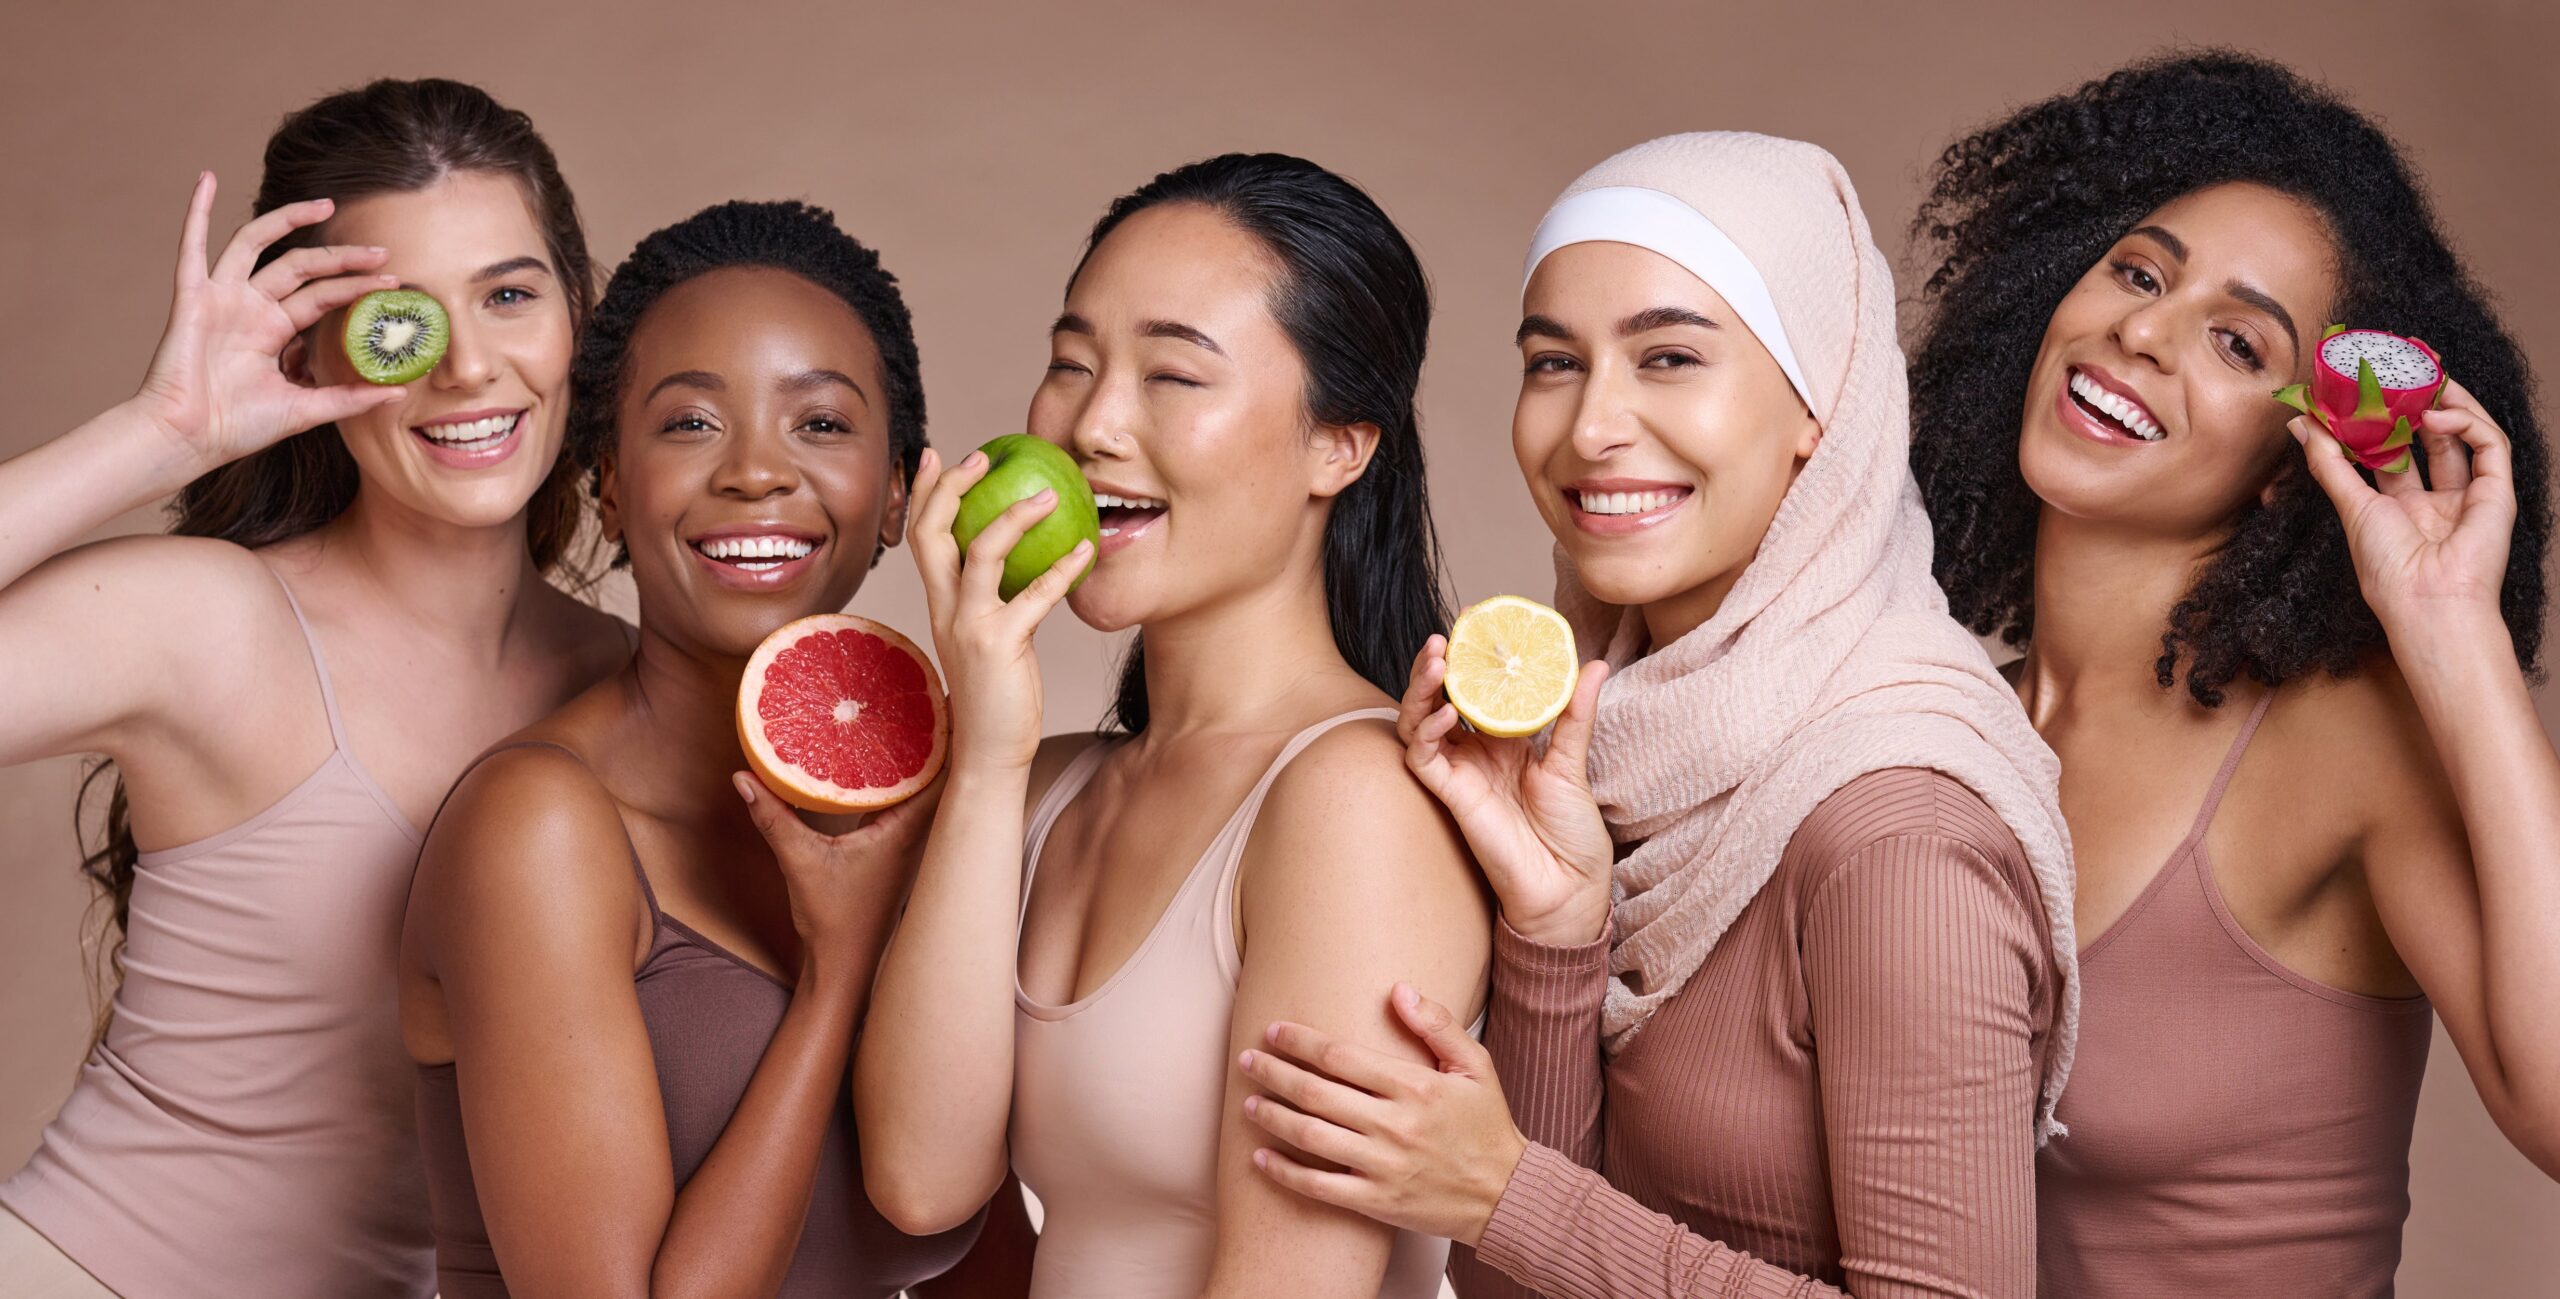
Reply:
x=840, y=714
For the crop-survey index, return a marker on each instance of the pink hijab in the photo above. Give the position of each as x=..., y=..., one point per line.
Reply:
x=1834, y=655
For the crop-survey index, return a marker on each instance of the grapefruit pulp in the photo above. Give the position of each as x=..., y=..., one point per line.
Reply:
x=840, y=714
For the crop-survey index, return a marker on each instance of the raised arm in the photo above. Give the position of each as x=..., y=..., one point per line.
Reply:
x=1353, y=882
x=528, y=913
x=2471, y=903
x=87, y=635
x=933, y=1080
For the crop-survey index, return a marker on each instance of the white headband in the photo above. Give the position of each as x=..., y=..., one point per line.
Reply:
x=1657, y=222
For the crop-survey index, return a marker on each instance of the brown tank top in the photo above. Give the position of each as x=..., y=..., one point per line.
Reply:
x=710, y=1016
x=2235, y=1128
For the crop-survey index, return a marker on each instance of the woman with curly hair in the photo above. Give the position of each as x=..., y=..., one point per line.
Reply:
x=2307, y=793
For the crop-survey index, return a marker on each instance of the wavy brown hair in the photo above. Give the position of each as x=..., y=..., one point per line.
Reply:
x=389, y=137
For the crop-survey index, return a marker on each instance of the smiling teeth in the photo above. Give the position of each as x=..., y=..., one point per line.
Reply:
x=1626, y=502
x=778, y=549
x=1107, y=501
x=2125, y=412
x=478, y=430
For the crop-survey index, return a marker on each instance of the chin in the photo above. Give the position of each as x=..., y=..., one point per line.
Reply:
x=1625, y=579
x=1097, y=606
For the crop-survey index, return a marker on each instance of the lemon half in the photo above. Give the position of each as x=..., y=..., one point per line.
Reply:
x=1512, y=666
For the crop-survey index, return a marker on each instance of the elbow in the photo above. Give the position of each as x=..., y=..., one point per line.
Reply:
x=920, y=1211
x=922, y=1206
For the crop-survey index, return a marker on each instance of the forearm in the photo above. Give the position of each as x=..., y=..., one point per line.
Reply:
x=2462, y=671
x=933, y=1082
x=737, y=1221
x=1543, y=1030
x=1561, y=1230
x=54, y=496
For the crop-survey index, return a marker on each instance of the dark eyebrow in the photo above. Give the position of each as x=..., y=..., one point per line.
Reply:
x=1071, y=323
x=807, y=380
x=1176, y=329
x=1536, y=326
x=1652, y=318
x=511, y=266
x=2177, y=247
x=703, y=379
x=2262, y=301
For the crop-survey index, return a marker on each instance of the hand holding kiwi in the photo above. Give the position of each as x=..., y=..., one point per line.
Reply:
x=217, y=384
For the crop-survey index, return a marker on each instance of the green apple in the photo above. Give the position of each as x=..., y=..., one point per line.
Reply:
x=1019, y=466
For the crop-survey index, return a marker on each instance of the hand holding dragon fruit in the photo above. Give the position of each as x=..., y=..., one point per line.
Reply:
x=2368, y=389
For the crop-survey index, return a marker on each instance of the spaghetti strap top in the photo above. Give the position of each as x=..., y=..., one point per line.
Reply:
x=245, y=1121
x=2236, y=1127
x=710, y=1015
x=1118, y=1095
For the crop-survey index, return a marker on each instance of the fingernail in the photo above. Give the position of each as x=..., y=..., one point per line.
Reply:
x=1044, y=496
x=1261, y=1159
x=975, y=459
x=1245, y=1061
x=1271, y=1034
x=1250, y=1102
x=1404, y=996
x=745, y=789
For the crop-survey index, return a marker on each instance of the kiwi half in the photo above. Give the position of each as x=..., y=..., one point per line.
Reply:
x=396, y=335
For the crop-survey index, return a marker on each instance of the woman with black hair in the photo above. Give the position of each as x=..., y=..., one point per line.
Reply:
x=630, y=976
x=1234, y=372
x=2125, y=273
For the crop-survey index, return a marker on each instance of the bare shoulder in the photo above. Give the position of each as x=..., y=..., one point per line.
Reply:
x=1055, y=753
x=2364, y=732
x=222, y=591
x=1345, y=820
x=529, y=841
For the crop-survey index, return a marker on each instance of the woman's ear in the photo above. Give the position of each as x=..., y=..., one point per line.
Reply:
x=893, y=520
x=1808, y=435
x=609, y=501
x=295, y=360
x=1344, y=451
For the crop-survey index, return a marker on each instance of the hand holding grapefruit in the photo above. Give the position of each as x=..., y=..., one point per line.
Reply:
x=840, y=714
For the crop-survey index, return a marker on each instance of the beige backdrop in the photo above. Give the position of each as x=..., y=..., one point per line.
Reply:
x=975, y=145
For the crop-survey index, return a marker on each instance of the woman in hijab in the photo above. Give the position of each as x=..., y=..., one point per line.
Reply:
x=1783, y=989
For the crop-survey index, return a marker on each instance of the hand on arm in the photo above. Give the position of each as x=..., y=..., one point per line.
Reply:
x=2431, y=558
x=1346, y=889
x=933, y=1079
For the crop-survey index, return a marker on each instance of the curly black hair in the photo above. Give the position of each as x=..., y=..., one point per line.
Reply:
x=2019, y=210
x=790, y=236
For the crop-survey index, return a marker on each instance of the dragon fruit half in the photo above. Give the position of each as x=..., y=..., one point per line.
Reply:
x=2368, y=388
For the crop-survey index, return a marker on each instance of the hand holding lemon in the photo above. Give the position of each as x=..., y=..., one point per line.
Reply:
x=1509, y=667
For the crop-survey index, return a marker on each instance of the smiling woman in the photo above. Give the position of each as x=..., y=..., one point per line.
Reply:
x=2127, y=273
x=245, y=1111
x=631, y=976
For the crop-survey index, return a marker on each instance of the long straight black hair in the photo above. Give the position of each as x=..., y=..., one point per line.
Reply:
x=1353, y=300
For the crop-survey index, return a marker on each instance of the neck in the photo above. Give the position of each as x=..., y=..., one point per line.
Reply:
x=1668, y=619
x=461, y=585
x=682, y=708
x=1241, y=664
x=2102, y=600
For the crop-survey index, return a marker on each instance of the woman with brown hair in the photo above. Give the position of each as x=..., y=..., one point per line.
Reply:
x=354, y=604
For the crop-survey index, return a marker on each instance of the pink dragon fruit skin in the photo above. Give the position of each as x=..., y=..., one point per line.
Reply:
x=2373, y=414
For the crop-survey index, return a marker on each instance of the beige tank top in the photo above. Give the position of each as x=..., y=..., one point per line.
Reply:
x=2236, y=1128
x=245, y=1125
x=1117, y=1097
